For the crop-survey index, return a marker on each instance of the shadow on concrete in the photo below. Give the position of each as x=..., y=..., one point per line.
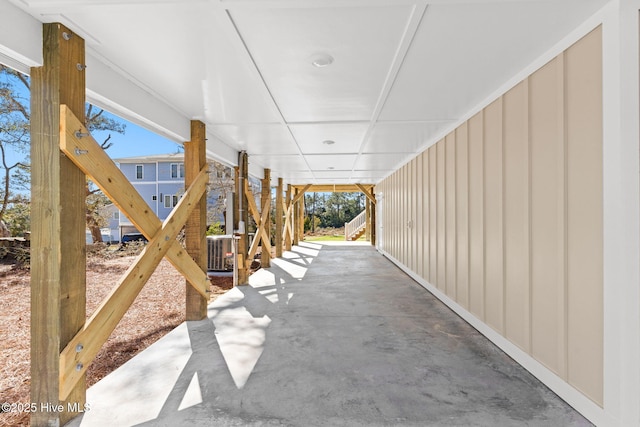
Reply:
x=329, y=335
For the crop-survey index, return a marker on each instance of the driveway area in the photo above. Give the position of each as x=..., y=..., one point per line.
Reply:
x=330, y=335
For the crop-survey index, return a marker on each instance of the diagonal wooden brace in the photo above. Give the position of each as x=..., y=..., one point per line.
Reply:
x=287, y=231
x=82, y=349
x=261, y=221
x=85, y=152
x=367, y=193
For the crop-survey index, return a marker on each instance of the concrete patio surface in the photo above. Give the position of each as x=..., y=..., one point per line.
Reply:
x=330, y=335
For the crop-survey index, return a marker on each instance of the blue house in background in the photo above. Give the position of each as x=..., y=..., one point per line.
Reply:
x=160, y=181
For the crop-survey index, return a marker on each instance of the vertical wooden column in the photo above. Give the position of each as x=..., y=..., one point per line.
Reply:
x=279, y=214
x=58, y=252
x=296, y=218
x=196, y=227
x=289, y=212
x=242, y=177
x=265, y=256
x=367, y=214
x=372, y=235
x=236, y=195
x=301, y=217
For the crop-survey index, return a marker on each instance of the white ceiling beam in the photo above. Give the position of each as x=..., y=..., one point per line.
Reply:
x=114, y=92
x=403, y=48
x=218, y=150
x=313, y=4
x=20, y=38
x=61, y=5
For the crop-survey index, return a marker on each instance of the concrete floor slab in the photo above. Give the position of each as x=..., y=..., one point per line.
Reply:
x=330, y=335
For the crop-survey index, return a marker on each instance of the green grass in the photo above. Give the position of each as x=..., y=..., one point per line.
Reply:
x=324, y=238
x=339, y=238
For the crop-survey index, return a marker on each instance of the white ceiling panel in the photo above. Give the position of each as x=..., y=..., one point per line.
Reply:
x=345, y=174
x=362, y=42
x=258, y=139
x=369, y=176
x=381, y=161
x=281, y=163
x=296, y=177
x=401, y=137
x=402, y=73
x=464, y=51
x=336, y=161
x=336, y=181
x=347, y=137
x=181, y=53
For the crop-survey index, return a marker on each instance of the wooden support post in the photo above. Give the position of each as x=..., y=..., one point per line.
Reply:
x=296, y=218
x=265, y=256
x=242, y=177
x=279, y=215
x=301, y=217
x=58, y=251
x=367, y=213
x=288, y=225
x=195, y=160
x=373, y=217
x=236, y=198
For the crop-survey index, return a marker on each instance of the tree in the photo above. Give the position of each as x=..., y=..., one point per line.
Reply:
x=18, y=216
x=220, y=187
x=95, y=213
x=15, y=144
x=14, y=132
x=332, y=209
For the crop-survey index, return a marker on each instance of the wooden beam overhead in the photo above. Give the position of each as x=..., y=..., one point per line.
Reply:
x=331, y=188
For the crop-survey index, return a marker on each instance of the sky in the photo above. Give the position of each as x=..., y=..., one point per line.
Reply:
x=136, y=141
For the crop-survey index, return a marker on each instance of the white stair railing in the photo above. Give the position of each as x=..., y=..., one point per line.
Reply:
x=355, y=225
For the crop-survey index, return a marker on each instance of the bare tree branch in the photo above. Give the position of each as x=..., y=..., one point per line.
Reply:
x=24, y=80
x=105, y=144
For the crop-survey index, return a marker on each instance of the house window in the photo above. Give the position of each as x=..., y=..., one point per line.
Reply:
x=139, y=170
x=177, y=170
x=170, y=200
x=116, y=215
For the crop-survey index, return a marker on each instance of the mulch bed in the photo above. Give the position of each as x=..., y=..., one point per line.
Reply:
x=157, y=310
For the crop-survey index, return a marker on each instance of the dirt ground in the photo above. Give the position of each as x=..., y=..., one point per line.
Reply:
x=157, y=310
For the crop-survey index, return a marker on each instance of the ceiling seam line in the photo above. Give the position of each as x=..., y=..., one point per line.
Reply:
x=418, y=9
x=266, y=86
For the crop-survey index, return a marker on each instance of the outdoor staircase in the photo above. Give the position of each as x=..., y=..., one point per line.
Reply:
x=356, y=228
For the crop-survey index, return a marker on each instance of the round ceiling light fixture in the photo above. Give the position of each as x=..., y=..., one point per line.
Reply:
x=321, y=60
x=328, y=142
